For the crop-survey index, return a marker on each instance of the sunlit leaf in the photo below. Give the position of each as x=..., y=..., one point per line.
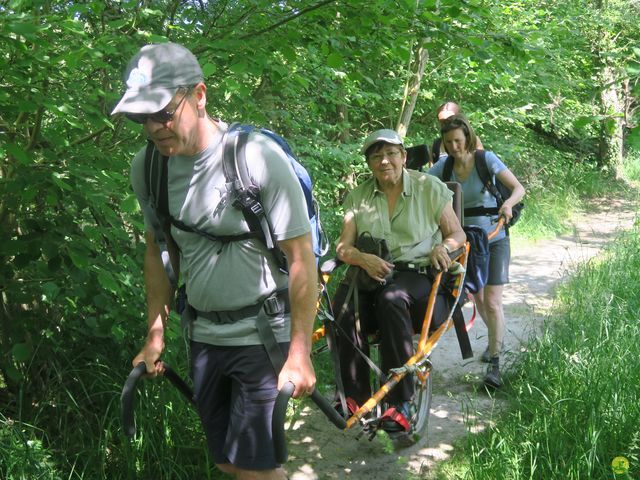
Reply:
x=51, y=290
x=209, y=69
x=107, y=281
x=335, y=60
x=18, y=153
x=129, y=204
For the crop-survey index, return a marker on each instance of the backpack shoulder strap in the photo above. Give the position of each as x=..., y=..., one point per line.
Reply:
x=448, y=169
x=435, y=150
x=246, y=194
x=155, y=174
x=235, y=168
x=485, y=176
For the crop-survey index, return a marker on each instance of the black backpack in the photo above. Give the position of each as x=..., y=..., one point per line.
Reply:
x=435, y=150
x=246, y=197
x=478, y=260
x=420, y=155
x=499, y=190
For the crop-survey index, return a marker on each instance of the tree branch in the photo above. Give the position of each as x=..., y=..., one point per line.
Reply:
x=288, y=19
x=35, y=133
x=88, y=137
x=227, y=27
x=37, y=126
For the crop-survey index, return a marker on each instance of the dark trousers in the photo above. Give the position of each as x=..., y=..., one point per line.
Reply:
x=395, y=310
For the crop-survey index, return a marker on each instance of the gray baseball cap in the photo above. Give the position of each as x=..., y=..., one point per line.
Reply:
x=154, y=75
x=385, y=135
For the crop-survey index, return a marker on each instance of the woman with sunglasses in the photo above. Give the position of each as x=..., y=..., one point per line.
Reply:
x=460, y=142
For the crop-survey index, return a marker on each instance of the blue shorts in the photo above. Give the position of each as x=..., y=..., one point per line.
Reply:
x=235, y=389
x=499, y=258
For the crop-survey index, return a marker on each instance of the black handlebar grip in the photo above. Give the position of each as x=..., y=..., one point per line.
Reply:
x=277, y=422
x=280, y=412
x=127, y=397
x=129, y=390
x=456, y=253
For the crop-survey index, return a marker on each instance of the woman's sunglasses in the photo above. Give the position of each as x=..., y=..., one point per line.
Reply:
x=163, y=116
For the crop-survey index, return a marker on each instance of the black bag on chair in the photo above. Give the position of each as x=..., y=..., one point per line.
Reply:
x=366, y=243
x=478, y=260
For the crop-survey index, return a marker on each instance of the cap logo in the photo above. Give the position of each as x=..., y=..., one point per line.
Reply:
x=141, y=75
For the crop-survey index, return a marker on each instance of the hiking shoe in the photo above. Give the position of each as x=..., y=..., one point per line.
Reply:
x=486, y=356
x=492, y=378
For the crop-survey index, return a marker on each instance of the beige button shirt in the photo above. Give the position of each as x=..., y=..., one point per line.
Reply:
x=413, y=229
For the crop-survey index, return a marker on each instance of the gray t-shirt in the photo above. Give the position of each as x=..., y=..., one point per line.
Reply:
x=221, y=277
x=474, y=192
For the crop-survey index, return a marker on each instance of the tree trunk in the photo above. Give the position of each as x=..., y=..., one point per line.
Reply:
x=343, y=119
x=611, y=130
x=412, y=89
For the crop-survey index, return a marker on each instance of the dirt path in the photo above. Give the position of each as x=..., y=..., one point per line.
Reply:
x=318, y=450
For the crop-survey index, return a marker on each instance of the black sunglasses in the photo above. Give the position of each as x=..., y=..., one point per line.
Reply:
x=163, y=116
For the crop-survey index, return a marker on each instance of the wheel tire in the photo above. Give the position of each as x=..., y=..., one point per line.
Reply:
x=421, y=405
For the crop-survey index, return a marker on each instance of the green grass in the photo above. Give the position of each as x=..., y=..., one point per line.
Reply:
x=631, y=166
x=76, y=433
x=574, y=395
x=22, y=454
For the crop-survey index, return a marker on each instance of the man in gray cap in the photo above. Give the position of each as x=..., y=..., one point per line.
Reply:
x=235, y=384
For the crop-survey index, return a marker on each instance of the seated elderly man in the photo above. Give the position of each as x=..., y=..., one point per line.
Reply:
x=412, y=212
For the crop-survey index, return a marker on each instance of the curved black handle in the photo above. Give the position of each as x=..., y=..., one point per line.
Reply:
x=328, y=410
x=127, y=397
x=280, y=411
x=129, y=390
x=180, y=384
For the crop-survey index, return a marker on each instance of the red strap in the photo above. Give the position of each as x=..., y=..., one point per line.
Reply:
x=396, y=416
x=473, y=317
x=352, y=406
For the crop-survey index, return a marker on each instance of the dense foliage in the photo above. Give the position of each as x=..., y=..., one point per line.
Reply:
x=544, y=83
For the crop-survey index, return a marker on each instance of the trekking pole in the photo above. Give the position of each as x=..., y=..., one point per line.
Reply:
x=128, y=394
x=280, y=412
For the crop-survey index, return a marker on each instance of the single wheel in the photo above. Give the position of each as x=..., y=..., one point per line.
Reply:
x=421, y=402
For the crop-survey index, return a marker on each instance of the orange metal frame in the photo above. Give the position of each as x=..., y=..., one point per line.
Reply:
x=426, y=343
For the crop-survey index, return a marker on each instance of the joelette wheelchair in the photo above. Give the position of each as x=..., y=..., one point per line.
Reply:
x=370, y=414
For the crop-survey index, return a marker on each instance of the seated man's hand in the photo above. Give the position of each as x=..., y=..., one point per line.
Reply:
x=440, y=257
x=376, y=267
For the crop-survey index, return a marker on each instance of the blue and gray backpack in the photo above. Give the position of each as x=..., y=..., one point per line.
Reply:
x=246, y=197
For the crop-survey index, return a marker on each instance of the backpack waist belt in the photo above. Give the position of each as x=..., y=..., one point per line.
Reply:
x=275, y=304
x=480, y=211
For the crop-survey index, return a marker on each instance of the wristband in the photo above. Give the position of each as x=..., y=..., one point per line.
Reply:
x=446, y=247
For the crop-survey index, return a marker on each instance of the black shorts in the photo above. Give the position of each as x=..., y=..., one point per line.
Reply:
x=235, y=389
x=499, y=259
